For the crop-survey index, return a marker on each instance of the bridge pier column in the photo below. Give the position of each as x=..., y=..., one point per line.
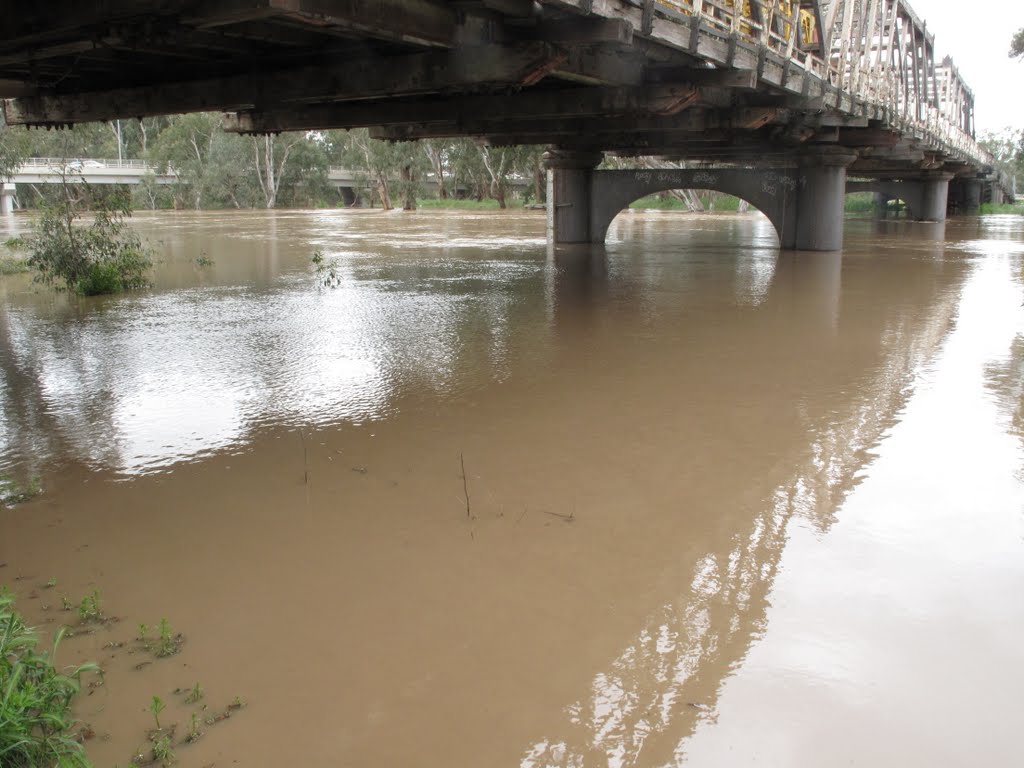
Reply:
x=932, y=198
x=820, y=200
x=972, y=196
x=6, y=198
x=570, y=191
x=881, y=205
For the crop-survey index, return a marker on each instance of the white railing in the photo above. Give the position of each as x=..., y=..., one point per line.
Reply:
x=856, y=55
x=85, y=162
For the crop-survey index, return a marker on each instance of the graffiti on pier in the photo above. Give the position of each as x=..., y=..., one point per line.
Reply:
x=773, y=182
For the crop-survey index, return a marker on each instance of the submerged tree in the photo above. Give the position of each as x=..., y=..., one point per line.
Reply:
x=107, y=256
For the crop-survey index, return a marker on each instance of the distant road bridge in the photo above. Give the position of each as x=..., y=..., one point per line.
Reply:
x=54, y=170
x=786, y=95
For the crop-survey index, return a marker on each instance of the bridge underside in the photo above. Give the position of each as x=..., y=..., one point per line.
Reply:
x=761, y=87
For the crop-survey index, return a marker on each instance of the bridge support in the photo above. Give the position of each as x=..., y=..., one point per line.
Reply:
x=926, y=197
x=820, y=199
x=570, y=196
x=804, y=204
x=6, y=198
x=965, y=195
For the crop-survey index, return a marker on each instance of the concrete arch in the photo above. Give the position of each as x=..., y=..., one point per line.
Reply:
x=773, y=192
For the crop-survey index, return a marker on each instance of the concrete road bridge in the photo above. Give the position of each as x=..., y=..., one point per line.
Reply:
x=54, y=170
x=777, y=101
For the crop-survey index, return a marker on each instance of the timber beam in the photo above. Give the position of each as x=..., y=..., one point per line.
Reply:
x=485, y=67
x=528, y=105
x=590, y=129
x=423, y=22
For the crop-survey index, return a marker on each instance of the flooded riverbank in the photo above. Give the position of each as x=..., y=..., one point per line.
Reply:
x=685, y=500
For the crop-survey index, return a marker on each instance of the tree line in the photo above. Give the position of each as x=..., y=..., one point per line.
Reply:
x=216, y=169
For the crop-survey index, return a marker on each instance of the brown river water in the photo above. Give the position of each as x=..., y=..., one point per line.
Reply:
x=726, y=506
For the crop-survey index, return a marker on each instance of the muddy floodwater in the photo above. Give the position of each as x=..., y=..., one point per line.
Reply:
x=686, y=500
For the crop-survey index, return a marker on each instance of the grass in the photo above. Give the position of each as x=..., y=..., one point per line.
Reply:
x=1015, y=208
x=13, y=265
x=859, y=202
x=471, y=205
x=35, y=699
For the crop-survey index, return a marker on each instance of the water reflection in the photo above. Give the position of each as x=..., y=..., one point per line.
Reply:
x=641, y=707
x=141, y=382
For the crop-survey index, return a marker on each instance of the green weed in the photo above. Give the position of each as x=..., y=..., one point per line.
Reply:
x=12, y=492
x=156, y=706
x=195, y=695
x=36, y=725
x=163, y=752
x=167, y=643
x=194, y=731
x=90, y=608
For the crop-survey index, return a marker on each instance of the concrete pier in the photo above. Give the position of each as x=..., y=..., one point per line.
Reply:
x=6, y=198
x=805, y=203
x=820, y=200
x=926, y=196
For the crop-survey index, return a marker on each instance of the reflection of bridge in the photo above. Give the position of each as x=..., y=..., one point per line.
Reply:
x=52, y=170
x=809, y=89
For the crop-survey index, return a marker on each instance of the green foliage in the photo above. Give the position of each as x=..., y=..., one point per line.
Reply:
x=194, y=731
x=12, y=492
x=90, y=609
x=156, y=706
x=168, y=643
x=105, y=257
x=859, y=202
x=35, y=699
x=195, y=695
x=1007, y=148
x=468, y=205
x=326, y=270
x=163, y=752
x=14, y=148
x=1010, y=208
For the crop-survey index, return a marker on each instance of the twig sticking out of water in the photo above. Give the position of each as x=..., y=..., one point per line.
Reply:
x=570, y=518
x=305, y=458
x=465, y=485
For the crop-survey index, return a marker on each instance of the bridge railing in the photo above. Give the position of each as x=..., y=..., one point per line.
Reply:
x=84, y=162
x=877, y=52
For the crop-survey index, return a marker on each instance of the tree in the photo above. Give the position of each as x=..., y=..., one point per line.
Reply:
x=391, y=167
x=106, y=257
x=271, y=153
x=1007, y=148
x=437, y=151
x=1017, y=45
x=13, y=149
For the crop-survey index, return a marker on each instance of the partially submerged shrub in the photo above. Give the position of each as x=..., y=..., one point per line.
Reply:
x=35, y=699
x=12, y=492
x=107, y=256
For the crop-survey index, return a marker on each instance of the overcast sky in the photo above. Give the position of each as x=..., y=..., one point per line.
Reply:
x=977, y=35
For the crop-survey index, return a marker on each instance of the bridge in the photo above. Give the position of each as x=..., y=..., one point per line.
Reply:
x=777, y=101
x=56, y=170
